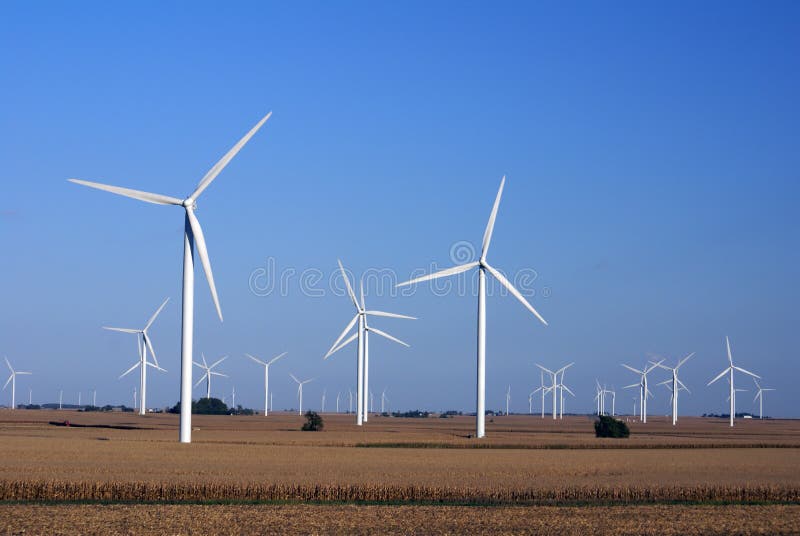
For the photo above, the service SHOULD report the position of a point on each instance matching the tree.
(204, 406)
(610, 427)
(313, 422)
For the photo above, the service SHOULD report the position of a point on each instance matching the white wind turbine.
(193, 235)
(300, 390)
(508, 399)
(613, 399)
(371, 402)
(337, 401)
(544, 389)
(598, 397)
(556, 387)
(760, 397)
(644, 392)
(322, 407)
(144, 344)
(729, 371)
(384, 399)
(676, 385)
(350, 401)
(483, 266)
(563, 388)
(362, 334)
(13, 380)
(266, 365)
(209, 372)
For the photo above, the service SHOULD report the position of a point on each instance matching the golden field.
(421, 465)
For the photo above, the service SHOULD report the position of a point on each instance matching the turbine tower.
(266, 365)
(322, 407)
(143, 344)
(209, 372)
(13, 380)
(676, 385)
(760, 397)
(483, 266)
(384, 399)
(644, 392)
(362, 334)
(192, 236)
(508, 399)
(729, 370)
(300, 390)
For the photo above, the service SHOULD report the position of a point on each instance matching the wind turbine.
(643, 390)
(562, 388)
(508, 399)
(350, 403)
(144, 344)
(600, 398)
(362, 334)
(371, 403)
(209, 372)
(300, 389)
(193, 235)
(613, 399)
(13, 380)
(676, 385)
(543, 389)
(337, 401)
(322, 409)
(266, 365)
(233, 397)
(483, 266)
(760, 397)
(729, 371)
(61, 397)
(384, 399)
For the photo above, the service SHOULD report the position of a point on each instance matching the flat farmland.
(249, 464)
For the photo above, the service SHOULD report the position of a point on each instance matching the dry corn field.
(258, 473)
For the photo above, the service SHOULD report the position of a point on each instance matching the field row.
(144, 492)
(349, 519)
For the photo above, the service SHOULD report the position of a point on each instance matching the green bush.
(610, 427)
(313, 422)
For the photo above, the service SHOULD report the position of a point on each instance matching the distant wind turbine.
(266, 365)
(729, 370)
(209, 372)
(322, 407)
(483, 266)
(300, 390)
(644, 392)
(144, 344)
(676, 385)
(760, 397)
(384, 399)
(508, 399)
(193, 236)
(362, 334)
(13, 380)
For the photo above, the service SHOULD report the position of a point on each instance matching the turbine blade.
(721, 374)
(361, 284)
(387, 336)
(219, 166)
(487, 235)
(632, 369)
(148, 197)
(153, 318)
(547, 370)
(150, 347)
(218, 361)
(123, 330)
(681, 384)
(155, 366)
(218, 374)
(567, 390)
(129, 370)
(728, 345)
(203, 377)
(9, 365)
(200, 242)
(294, 378)
(506, 283)
(25, 373)
(350, 339)
(390, 315)
(631, 386)
(342, 336)
(8, 381)
(747, 372)
(276, 358)
(349, 288)
(757, 395)
(257, 360)
(684, 360)
(442, 273)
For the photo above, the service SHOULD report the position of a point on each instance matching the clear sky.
(652, 154)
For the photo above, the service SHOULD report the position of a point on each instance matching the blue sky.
(652, 160)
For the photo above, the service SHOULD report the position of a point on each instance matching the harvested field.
(396, 466)
(348, 519)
